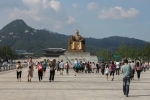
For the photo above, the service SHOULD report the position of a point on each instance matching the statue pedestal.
(80, 56)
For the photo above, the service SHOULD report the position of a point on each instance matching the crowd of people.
(111, 69)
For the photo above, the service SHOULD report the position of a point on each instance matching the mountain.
(19, 36)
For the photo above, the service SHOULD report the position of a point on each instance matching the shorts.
(112, 73)
(106, 74)
(30, 73)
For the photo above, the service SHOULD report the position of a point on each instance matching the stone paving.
(68, 87)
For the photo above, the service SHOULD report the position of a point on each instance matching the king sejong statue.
(76, 43)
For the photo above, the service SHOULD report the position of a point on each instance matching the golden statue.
(76, 43)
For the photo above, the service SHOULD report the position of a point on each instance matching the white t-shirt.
(18, 69)
(93, 65)
(132, 65)
(117, 65)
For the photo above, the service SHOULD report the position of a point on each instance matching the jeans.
(126, 83)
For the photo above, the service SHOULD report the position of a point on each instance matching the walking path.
(68, 87)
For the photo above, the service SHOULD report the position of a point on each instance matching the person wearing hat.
(19, 71)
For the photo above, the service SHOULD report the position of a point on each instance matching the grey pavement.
(69, 87)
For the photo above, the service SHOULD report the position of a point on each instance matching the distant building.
(54, 52)
(20, 52)
(23, 52)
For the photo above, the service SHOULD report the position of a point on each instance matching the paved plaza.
(68, 87)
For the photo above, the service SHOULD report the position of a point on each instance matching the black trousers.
(52, 74)
(19, 74)
(40, 74)
(97, 71)
(102, 70)
(138, 73)
(67, 70)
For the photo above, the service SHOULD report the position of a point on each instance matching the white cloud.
(118, 13)
(75, 5)
(45, 4)
(92, 6)
(71, 20)
(42, 14)
(24, 14)
(55, 5)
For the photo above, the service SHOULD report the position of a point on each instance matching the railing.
(68, 59)
(7, 67)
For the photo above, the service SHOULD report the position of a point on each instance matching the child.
(106, 71)
(19, 71)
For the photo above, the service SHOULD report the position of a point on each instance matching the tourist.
(61, 65)
(52, 65)
(144, 66)
(36, 63)
(138, 70)
(102, 68)
(132, 65)
(92, 67)
(97, 67)
(88, 67)
(30, 69)
(45, 66)
(117, 68)
(40, 68)
(112, 70)
(19, 71)
(85, 67)
(107, 71)
(57, 66)
(126, 70)
(77, 67)
(67, 68)
(82, 66)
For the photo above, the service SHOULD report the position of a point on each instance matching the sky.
(93, 18)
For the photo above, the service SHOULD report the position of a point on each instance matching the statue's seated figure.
(77, 43)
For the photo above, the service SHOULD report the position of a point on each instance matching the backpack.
(67, 65)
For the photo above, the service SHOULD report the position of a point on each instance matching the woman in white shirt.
(107, 71)
(19, 71)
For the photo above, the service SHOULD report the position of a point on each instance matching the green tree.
(105, 55)
(6, 52)
(122, 50)
(146, 52)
